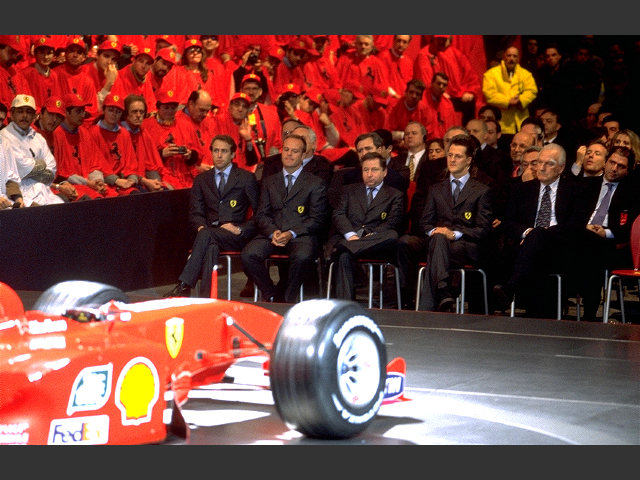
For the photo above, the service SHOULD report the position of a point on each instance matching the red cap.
(144, 48)
(292, 87)
(276, 52)
(54, 105)
(14, 41)
(167, 96)
(43, 41)
(74, 100)
(303, 43)
(251, 77)
(242, 96)
(380, 99)
(441, 36)
(109, 45)
(76, 41)
(114, 100)
(168, 54)
(314, 94)
(192, 42)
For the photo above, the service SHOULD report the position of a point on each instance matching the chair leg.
(419, 286)
(329, 273)
(396, 273)
(621, 299)
(607, 299)
(463, 285)
(370, 285)
(228, 277)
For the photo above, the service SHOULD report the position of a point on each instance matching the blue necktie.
(601, 212)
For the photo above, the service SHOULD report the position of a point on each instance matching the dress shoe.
(180, 290)
(447, 305)
(502, 297)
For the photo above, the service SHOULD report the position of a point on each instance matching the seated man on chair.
(220, 201)
(456, 219)
(292, 213)
(367, 222)
(542, 219)
(604, 242)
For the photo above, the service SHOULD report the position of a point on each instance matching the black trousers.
(208, 244)
(302, 253)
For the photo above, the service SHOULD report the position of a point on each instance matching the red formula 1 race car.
(84, 366)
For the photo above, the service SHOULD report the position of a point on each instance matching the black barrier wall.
(132, 242)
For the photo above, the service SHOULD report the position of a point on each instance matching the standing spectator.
(363, 68)
(511, 88)
(410, 108)
(556, 132)
(72, 73)
(456, 220)
(464, 82)
(367, 222)
(221, 200)
(290, 216)
(441, 114)
(399, 66)
(29, 151)
(264, 121)
(76, 154)
(118, 161)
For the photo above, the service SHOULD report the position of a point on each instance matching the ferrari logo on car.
(173, 334)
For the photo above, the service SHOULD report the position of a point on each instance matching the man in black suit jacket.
(604, 243)
(312, 162)
(456, 220)
(288, 221)
(542, 248)
(364, 229)
(219, 215)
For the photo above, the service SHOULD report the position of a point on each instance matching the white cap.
(22, 100)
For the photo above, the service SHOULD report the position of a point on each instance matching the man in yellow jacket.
(511, 88)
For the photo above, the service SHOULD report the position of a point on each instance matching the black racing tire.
(328, 369)
(57, 299)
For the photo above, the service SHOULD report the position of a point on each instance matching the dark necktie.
(221, 182)
(370, 196)
(289, 182)
(456, 191)
(601, 212)
(544, 213)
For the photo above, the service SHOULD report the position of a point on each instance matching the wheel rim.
(358, 369)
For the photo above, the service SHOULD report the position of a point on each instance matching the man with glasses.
(542, 220)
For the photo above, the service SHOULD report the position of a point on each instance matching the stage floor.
(471, 380)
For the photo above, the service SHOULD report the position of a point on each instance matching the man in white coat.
(28, 149)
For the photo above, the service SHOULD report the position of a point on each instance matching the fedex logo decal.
(79, 431)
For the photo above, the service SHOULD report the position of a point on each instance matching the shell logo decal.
(174, 334)
(137, 391)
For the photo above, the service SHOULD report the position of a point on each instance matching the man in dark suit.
(604, 241)
(542, 219)
(555, 132)
(292, 212)
(456, 219)
(312, 162)
(220, 200)
(365, 143)
(366, 222)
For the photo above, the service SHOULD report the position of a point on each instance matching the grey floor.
(471, 380)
